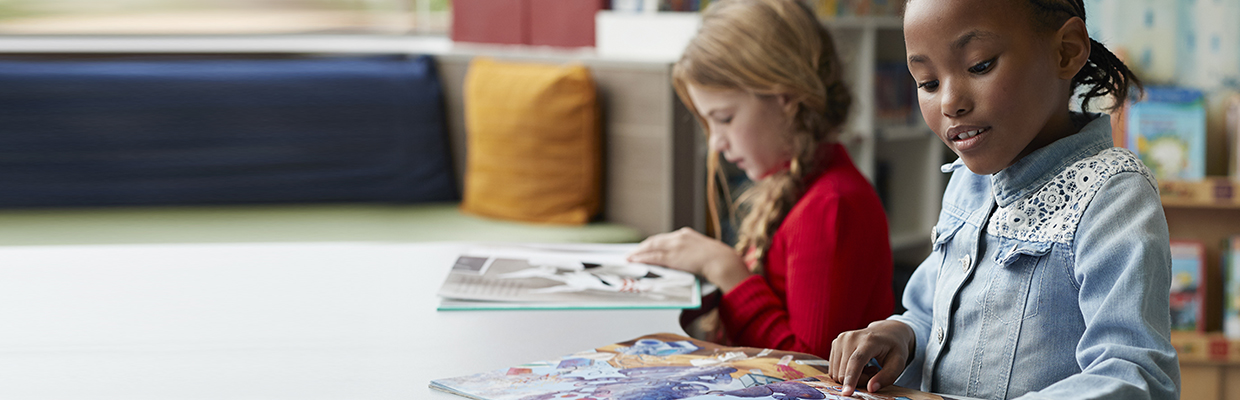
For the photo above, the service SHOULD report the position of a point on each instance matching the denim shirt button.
(938, 334)
(934, 235)
(964, 263)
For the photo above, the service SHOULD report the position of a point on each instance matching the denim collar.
(1026, 176)
(1029, 174)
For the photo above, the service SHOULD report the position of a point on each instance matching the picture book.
(666, 366)
(1187, 285)
(534, 276)
(1167, 130)
(1231, 287)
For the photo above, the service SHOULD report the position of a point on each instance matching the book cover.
(1167, 130)
(665, 366)
(1188, 285)
(1231, 287)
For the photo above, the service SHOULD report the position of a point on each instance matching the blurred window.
(223, 17)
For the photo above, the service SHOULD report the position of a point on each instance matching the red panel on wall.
(492, 21)
(566, 23)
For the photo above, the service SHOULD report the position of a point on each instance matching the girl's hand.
(890, 342)
(692, 252)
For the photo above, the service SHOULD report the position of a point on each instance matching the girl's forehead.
(950, 20)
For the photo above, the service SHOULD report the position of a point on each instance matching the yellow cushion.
(534, 147)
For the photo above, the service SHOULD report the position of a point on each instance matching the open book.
(562, 276)
(666, 366)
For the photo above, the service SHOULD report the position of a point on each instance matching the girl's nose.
(955, 101)
(717, 141)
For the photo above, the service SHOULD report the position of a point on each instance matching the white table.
(269, 321)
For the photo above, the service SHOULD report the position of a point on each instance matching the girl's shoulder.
(840, 182)
(1053, 212)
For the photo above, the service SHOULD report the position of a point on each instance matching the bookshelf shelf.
(905, 132)
(1209, 365)
(1182, 203)
(861, 22)
(1213, 193)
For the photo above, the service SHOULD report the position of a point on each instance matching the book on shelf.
(1233, 134)
(1188, 289)
(562, 276)
(1231, 287)
(1167, 130)
(895, 96)
(666, 366)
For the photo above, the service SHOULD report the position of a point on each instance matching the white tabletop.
(269, 321)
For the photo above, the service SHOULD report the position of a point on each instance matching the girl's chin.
(981, 167)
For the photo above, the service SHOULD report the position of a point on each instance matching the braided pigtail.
(1105, 75)
(768, 202)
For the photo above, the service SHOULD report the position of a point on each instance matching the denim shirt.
(1049, 279)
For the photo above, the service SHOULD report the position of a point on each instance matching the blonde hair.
(768, 47)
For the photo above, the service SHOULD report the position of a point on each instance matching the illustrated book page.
(666, 366)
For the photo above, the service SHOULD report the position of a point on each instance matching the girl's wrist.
(728, 273)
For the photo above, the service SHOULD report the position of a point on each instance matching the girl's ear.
(1072, 48)
(787, 103)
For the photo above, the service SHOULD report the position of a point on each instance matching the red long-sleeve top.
(828, 269)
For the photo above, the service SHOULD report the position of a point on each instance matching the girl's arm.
(838, 269)
(1123, 269)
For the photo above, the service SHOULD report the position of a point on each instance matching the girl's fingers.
(834, 359)
(649, 256)
(652, 244)
(854, 367)
(892, 366)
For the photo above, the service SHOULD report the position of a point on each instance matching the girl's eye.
(928, 86)
(725, 121)
(982, 67)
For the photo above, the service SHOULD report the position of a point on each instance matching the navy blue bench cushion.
(186, 130)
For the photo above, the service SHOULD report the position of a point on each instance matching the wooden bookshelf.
(1213, 193)
(1209, 365)
(1208, 211)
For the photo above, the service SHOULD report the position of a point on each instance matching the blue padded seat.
(162, 130)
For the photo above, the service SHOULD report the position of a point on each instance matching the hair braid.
(772, 198)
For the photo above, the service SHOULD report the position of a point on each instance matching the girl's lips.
(966, 137)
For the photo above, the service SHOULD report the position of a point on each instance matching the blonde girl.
(1050, 269)
(813, 258)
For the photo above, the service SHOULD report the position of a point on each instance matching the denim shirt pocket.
(943, 233)
(1013, 291)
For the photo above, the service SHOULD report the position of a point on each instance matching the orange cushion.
(534, 147)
